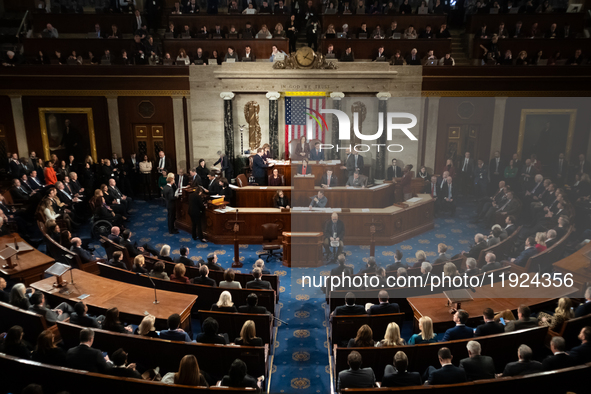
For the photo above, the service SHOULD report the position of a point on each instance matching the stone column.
(431, 132)
(178, 116)
(497, 126)
(229, 126)
(380, 170)
(19, 127)
(114, 125)
(274, 122)
(336, 104)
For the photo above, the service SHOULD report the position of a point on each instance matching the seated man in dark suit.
(460, 331)
(334, 230)
(86, 358)
(257, 283)
(117, 260)
(329, 180)
(121, 368)
(251, 305)
(479, 245)
(81, 318)
(18, 193)
(174, 332)
(341, 268)
(551, 238)
(210, 334)
(528, 252)
(202, 279)
(490, 326)
(61, 312)
(317, 153)
(212, 264)
(356, 377)
(447, 374)
(349, 308)
(384, 307)
(524, 320)
(114, 236)
(524, 366)
(559, 359)
(584, 308)
(397, 262)
(472, 268)
(491, 263)
(398, 376)
(85, 256)
(370, 267)
(582, 353)
(133, 250)
(183, 259)
(477, 366)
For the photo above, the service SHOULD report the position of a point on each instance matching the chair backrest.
(107, 246)
(542, 262)
(571, 329)
(32, 323)
(241, 180)
(270, 232)
(500, 249)
(345, 327)
(231, 323)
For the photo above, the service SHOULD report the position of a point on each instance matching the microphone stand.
(71, 269)
(155, 296)
(279, 320)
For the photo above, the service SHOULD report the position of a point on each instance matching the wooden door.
(149, 140)
(462, 139)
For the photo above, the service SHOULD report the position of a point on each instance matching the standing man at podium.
(334, 230)
(259, 166)
(354, 162)
(168, 192)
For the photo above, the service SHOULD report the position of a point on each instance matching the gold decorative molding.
(306, 94)
(502, 93)
(571, 126)
(43, 124)
(106, 93)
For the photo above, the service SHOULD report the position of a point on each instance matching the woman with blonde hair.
(228, 282)
(147, 328)
(450, 269)
(165, 253)
(46, 209)
(264, 32)
(364, 338)
(541, 242)
(562, 313)
(392, 337)
(139, 263)
(279, 32)
(426, 335)
(225, 303)
(248, 335)
(188, 374)
(179, 274)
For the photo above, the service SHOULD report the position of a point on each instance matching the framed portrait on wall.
(68, 131)
(546, 133)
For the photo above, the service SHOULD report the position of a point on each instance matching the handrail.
(18, 32)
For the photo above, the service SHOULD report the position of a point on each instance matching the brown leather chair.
(280, 177)
(241, 180)
(271, 244)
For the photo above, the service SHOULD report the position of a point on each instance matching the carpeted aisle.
(300, 358)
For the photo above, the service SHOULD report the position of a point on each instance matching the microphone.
(155, 296)
(279, 320)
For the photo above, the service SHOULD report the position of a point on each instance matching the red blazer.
(50, 177)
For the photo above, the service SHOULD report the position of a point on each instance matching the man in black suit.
(523, 320)
(582, 353)
(560, 170)
(524, 366)
(528, 252)
(225, 165)
(384, 307)
(85, 256)
(196, 210)
(4, 295)
(479, 245)
(446, 201)
(510, 207)
(341, 269)
(317, 153)
(509, 225)
(163, 163)
(527, 175)
(257, 283)
(356, 377)
(585, 308)
(168, 192)
(213, 187)
(81, 318)
(551, 238)
(183, 258)
(466, 173)
(59, 313)
(133, 250)
(447, 374)
(203, 278)
(18, 193)
(259, 168)
(34, 182)
(121, 368)
(490, 326)
(477, 366)
(194, 178)
(251, 306)
(496, 169)
(86, 358)
(370, 268)
(397, 262)
(16, 167)
(117, 195)
(398, 376)
(329, 180)
(354, 163)
(559, 359)
(394, 171)
(114, 236)
(334, 230)
(212, 264)
(582, 166)
(349, 308)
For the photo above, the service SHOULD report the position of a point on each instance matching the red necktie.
(304, 170)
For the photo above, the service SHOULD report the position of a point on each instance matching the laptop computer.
(380, 59)
(246, 59)
(330, 11)
(247, 35)
(231, 60)
(72, 62)
(250, 11)
(105, 62)
(494, 11)
(423, 10)
(167, 62)
(341, 35)
(261, 36)
(212, 62)
(330, 35)
(217, 36)
(396, 36)
(186, 36)
(362, 36)
(330, 56)
(431, 62)
(202, 36)
(514, 10)
(233, 36)
(169, 36)
(198, 62)
(91, 34)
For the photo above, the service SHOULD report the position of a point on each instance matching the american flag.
(298, 122)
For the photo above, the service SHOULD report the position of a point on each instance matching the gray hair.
(402, 271)
(426, 266)
(588, 293)
(474, 348)
(471, 262)
(479, 237)
(525, 353)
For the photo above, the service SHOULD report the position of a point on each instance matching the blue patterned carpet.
(300, 360)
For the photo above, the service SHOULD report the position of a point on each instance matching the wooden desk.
(398, 224)
(578, 265)
(318, 169)
(30, 266)
(132, 301)
(302, 249)
(496, 297)
(260, 48)
(367, 49)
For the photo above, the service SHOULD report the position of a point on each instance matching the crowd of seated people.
(391, 32)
